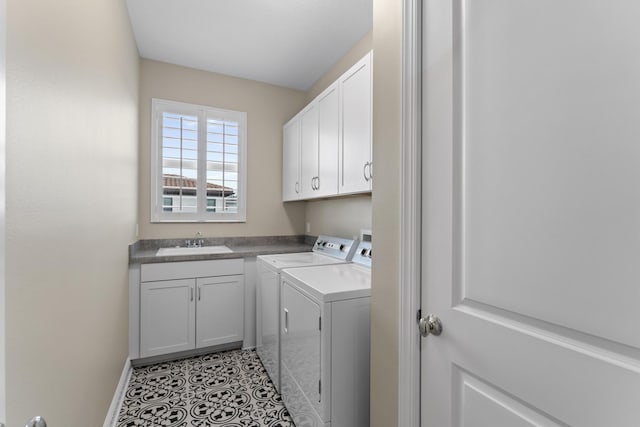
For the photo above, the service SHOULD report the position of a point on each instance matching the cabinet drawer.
(191, 269)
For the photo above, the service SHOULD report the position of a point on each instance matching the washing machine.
(325, 338)
(326, 250)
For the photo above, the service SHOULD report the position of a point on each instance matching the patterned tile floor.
(229, 389)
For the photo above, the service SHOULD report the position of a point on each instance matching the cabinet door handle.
(286, 321)
(297, 187)
(364, 171)
(317, 183)
(370, 170)
(313, 183)
(199, 292)
(191, 292)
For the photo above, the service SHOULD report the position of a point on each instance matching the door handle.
(370, 170)
(35, 422)
(315, 183)
(297, 187)
(430, 325)
(364, 171)
(199, 292)
(286, 321)
(191, 292)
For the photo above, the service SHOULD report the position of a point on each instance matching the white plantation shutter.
(199, 161)
(179, 162)
(222, 160)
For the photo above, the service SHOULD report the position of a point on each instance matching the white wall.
(71, 180)
(357, 51)
(343, 217)
(387, 133)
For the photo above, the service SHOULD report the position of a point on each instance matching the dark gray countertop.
(144, 251)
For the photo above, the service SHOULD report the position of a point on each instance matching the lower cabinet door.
(167, 317)
(220, 310)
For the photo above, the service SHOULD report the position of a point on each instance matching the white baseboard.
(111, 419)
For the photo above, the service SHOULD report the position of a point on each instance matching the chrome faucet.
(195, 243)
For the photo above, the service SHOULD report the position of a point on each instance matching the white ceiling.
(288, 43)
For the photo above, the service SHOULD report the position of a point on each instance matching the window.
(198, 163)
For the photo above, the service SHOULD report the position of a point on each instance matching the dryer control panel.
(363, 254)
(335, 246)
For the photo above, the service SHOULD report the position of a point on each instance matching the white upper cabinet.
(356, 169)
(328, 141)
(327, 146)
(308, 151)
(291, 160)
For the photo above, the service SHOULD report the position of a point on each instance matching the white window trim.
(157, 214)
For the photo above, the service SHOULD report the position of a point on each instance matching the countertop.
(144, 251)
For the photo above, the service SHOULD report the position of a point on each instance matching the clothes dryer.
(326, 250)
(325, 337)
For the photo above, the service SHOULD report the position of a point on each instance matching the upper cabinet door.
(328, 141)
(356, 170)
(309, 151)
(291, 160)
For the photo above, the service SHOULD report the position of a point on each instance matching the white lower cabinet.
(184, 313)
(167, 322)
(219, 310)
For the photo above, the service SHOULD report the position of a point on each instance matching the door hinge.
(320, 323)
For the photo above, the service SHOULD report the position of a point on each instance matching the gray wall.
(344, 216)
(268, 107)
(72, 132)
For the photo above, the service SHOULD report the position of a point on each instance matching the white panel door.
(328, 141)
(355, 153)
(291, 160)
(308, 151)
(167, 317)
(531, 224)
(220, 310)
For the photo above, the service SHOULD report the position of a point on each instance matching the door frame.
(3, 139)
(409, 338)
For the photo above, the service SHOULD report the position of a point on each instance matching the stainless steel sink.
(222, 249)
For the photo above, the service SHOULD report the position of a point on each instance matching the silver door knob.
(430, 325)
(36, 422)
